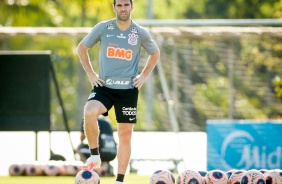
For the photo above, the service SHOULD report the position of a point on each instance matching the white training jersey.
(119, 51)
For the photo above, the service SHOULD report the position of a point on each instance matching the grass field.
(132, 178)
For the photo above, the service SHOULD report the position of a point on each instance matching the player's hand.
(96, 81)
(138, 81)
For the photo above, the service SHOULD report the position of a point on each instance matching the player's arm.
(140, 79)
(82, 51)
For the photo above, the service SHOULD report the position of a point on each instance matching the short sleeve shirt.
(119, 53)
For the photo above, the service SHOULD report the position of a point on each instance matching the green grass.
(129, 179)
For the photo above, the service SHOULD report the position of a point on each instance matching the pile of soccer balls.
(57, 168)
(218, 177)
(51, 168)
(89, 176)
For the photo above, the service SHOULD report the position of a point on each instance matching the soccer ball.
(216, 177)
(230, 172)
(189, 177)
(162, 177)
(203, 174)
(253, 177)
(235, 178)
(52, 169)
(16, 170)
(87, 176)
(274, 176)
(33, 169)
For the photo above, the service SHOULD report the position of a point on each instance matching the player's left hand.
(138, 81)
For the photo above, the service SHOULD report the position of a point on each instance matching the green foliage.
(54, 12)
(239, 9)
(27, 13)
(167, 9)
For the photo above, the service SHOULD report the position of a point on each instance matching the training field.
(131, 178)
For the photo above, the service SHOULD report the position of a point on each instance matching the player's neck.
(123, 25)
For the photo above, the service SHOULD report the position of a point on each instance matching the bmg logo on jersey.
(129, 111)
(119, 53)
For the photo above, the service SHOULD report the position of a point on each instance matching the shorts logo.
(131, 119)
(91, 95)
(129, 111)
(132, 40)
(119, 53)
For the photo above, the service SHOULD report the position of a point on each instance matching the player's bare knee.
(90, 114)
(125, 136)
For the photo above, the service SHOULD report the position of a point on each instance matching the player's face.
(123, 9)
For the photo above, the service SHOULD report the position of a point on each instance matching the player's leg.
(93, 109)
(98, 103)
(125, 109)
(124, 147)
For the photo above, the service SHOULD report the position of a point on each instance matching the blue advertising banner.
(244, 144)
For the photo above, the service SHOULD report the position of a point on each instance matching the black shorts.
(123, 100)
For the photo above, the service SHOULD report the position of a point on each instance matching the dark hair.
(129, 0)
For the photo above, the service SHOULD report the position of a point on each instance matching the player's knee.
(125, 136)
(91, 114)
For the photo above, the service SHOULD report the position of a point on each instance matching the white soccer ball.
(162, 177)
(16, 170)
(87, 176)
(33, 169)
(189, 177)
(52, 169)
(235, 178)
(216, 177)
(253, 177)
(274, 176)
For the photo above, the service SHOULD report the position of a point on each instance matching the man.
(118, 81)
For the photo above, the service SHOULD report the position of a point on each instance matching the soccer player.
(118, 81)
